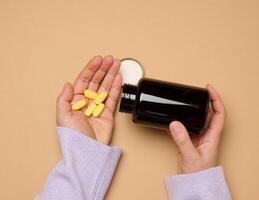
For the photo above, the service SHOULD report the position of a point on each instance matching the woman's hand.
(100, 74)
(200, 152)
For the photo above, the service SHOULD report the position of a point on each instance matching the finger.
(86, 74)
(99, 75)
(64, 99)
(217, 120)
(209, 116)
(182, 140)
(114, 93)
(109, 77)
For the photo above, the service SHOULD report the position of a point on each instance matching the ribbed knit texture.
(87, 166)
(205, 185)
(84, 172)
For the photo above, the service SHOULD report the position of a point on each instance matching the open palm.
(100, 74)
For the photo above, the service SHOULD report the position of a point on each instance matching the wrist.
(192, 167)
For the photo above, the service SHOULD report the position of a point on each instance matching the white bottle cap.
(131, 71)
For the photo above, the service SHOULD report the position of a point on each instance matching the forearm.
(85, 170)
(208, 184)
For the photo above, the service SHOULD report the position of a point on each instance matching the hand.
(199, 153)
(100, 74)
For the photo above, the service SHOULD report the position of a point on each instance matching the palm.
(203, 141)
(99, 128)
(99, 75)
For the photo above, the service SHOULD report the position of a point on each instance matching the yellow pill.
(90, 94)
(98, 110)
(90, 109)
(79, 104)
(101, 97)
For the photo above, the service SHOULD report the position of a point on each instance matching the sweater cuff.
(207, 184)
(93, 162)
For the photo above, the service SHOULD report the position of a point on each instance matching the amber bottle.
(156, 103)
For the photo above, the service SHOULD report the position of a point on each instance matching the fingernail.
(176, 127)
(65, 85)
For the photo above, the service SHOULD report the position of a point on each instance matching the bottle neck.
(128, 98)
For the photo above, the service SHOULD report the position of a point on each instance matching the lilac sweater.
(87, 167)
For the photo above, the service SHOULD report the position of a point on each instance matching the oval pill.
(90, 109)
(90, 94)
(79, 104)
(101, 97)
(98, 110)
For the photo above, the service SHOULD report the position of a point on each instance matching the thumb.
(64, 99)
(182, 140)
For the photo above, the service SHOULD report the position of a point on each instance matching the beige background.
(45, 43)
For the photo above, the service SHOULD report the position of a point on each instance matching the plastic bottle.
(156, 103)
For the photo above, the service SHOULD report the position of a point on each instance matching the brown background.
(45, 43)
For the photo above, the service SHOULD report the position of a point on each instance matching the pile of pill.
(96, 108)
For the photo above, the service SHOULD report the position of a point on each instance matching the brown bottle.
(157, 103)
